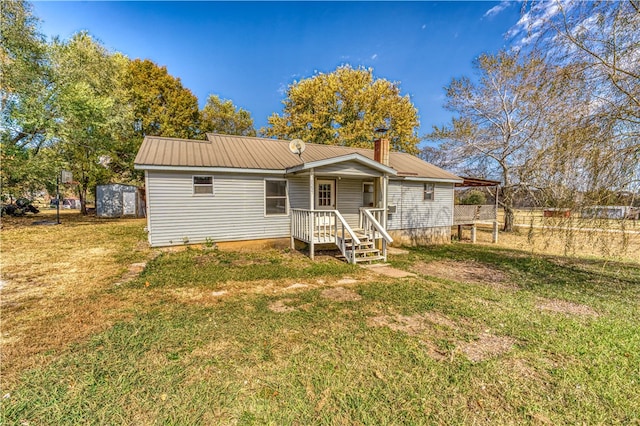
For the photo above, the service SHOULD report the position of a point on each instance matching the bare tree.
(500, 118)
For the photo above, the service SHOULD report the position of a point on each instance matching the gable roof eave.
(205, 169)
(341, 159)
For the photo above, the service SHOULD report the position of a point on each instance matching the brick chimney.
(381, 151)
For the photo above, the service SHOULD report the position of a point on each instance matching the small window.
(275, 197)
(203, 185)
(429, 191)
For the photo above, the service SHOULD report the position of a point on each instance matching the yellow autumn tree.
(344, 107)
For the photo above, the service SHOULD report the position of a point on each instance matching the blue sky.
(250, 52)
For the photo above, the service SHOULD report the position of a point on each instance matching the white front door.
(325, 194)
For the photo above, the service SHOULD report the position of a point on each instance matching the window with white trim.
(429, 191)
(367, 194)
(203, 185)
(275, 197)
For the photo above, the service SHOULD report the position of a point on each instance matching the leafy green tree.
(161, 105)
(88, 110)
(344, 107)
(221, 116)
(156, 105)
(25, 76)
(26, 107)
(473, 197)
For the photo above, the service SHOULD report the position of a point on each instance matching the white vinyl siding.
(299, 192)
(413, 211)
(349, 200)
(347, 168)
(236, 212)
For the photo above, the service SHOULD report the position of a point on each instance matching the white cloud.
(533, 20)
(497, 9)
(374, 56)
(424, 26)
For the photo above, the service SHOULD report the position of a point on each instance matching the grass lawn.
(480, 334)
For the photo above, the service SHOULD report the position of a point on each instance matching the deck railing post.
(292, 229)
(495, 231)
(312, 236)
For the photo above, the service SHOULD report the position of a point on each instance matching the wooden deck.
(471, 216)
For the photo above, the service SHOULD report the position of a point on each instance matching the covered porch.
(341, 201)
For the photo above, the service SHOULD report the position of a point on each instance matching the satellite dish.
(297, 146)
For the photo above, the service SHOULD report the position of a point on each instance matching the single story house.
(236, 188)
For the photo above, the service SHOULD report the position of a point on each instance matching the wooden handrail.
(346, 226)
(376, 225)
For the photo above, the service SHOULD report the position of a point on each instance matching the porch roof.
(260, 155)
(359, 158)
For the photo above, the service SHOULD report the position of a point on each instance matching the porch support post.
(312, 220)
(459, 232)
(311, 188)
(385, 186)
(495, 231)
(473, 233)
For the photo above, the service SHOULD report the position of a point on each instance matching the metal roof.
(241, 152)
(474, 182)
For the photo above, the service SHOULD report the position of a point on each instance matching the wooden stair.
(365, 252)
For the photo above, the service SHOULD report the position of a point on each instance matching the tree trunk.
(507, 204)
(508, 219)
(82, 194)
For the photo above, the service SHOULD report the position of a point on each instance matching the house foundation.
(421, 236)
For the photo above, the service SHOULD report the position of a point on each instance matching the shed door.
(128, 203)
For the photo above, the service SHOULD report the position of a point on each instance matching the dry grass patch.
(486, 346)
(465, 271)
(433, 328)
(565, 307)
(281, 306)
(340, 294)
(618, 246)
(55, 278)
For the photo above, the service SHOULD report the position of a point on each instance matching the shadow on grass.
(550, 274)
(209, 268)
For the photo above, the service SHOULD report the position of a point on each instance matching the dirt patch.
(423, 326)
(434, 327)
(132, 273)
(469, 272)
(340, 294)
(486, 346)
(564, 307)
(389, 271)
(412, 324)
(415, 324)
(296, 286)
(280, 306)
